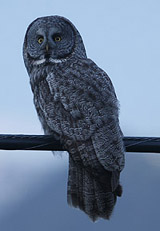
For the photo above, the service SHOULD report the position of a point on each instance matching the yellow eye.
(40, 40)
(57, 38)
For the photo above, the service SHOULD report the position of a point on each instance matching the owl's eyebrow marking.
(39, 31)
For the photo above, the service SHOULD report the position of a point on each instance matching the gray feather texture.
(76, 101)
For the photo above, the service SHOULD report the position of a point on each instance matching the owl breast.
(75, 98)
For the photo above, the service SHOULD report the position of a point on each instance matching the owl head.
(51, 39)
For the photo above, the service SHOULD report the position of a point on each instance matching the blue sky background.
(123, 38)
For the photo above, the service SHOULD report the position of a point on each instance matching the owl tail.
(88, 194)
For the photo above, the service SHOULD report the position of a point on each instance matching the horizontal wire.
(49, 143)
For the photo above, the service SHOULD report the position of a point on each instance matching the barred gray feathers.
(75, 100)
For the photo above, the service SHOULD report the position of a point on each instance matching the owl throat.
(48, 60)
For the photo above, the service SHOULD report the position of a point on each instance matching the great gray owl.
(76, 102)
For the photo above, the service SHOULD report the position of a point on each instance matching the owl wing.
(83, 106)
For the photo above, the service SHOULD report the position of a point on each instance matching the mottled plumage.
(75, 101)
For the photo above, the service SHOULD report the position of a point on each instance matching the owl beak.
(47, 47)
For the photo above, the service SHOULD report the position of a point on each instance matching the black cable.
(47, 142)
